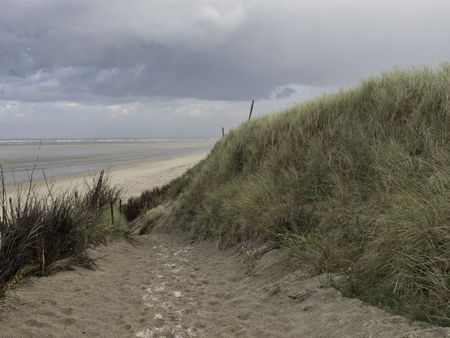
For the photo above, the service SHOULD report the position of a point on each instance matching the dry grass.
(38, 230)
(356, 182)
(151, 198)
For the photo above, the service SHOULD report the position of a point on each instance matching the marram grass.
(356, 182)
(42, 231)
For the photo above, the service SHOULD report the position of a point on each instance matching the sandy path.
(168, 287)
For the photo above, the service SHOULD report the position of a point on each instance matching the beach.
(134, 165)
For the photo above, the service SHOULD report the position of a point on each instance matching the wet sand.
(132, 179)
(134, 166)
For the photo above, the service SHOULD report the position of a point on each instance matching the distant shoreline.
(131, 164)
(94, 140)
(133, 179)
(85, 157)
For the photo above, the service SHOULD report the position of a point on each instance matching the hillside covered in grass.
(356, 182)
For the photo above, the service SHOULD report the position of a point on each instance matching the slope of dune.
(356, 182)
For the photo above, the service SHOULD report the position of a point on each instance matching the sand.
(148, 174)
(58, 159)
(133, 178)
(166, 286)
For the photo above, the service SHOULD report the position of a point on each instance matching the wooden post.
(4, 214)
(223, 132)
(11, 207)
(251, 110)
(112, 212)
(120, 206)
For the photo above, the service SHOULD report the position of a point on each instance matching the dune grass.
(146, 200)
(356, 182)
(39, 229)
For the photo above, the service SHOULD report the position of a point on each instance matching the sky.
(187, 68)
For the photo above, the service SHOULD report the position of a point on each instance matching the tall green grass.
(38, 229)
(356, 182)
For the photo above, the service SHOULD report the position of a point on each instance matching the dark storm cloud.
(225, 49)
(187, 68)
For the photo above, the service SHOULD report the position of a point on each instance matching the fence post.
(112, 211)
(120, 206)
(11, 207)
(223, 132)
(251, 110)
(4, 214)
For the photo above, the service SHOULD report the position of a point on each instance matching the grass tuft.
(39, 230)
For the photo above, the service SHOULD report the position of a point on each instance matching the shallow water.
(70, 157)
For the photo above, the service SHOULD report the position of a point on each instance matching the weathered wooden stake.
(251, 110)
(11, 207)
(120, 206)
(4, 214)
(223, 132)
(112, 212)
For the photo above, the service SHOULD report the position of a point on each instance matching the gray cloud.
(210, 49)
(104, 52)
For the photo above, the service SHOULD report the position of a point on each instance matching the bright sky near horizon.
(166, 68)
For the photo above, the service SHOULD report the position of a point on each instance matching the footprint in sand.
(202, 301)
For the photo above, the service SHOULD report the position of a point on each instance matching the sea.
(23, 159)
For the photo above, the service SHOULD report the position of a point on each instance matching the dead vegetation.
(43, 233)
